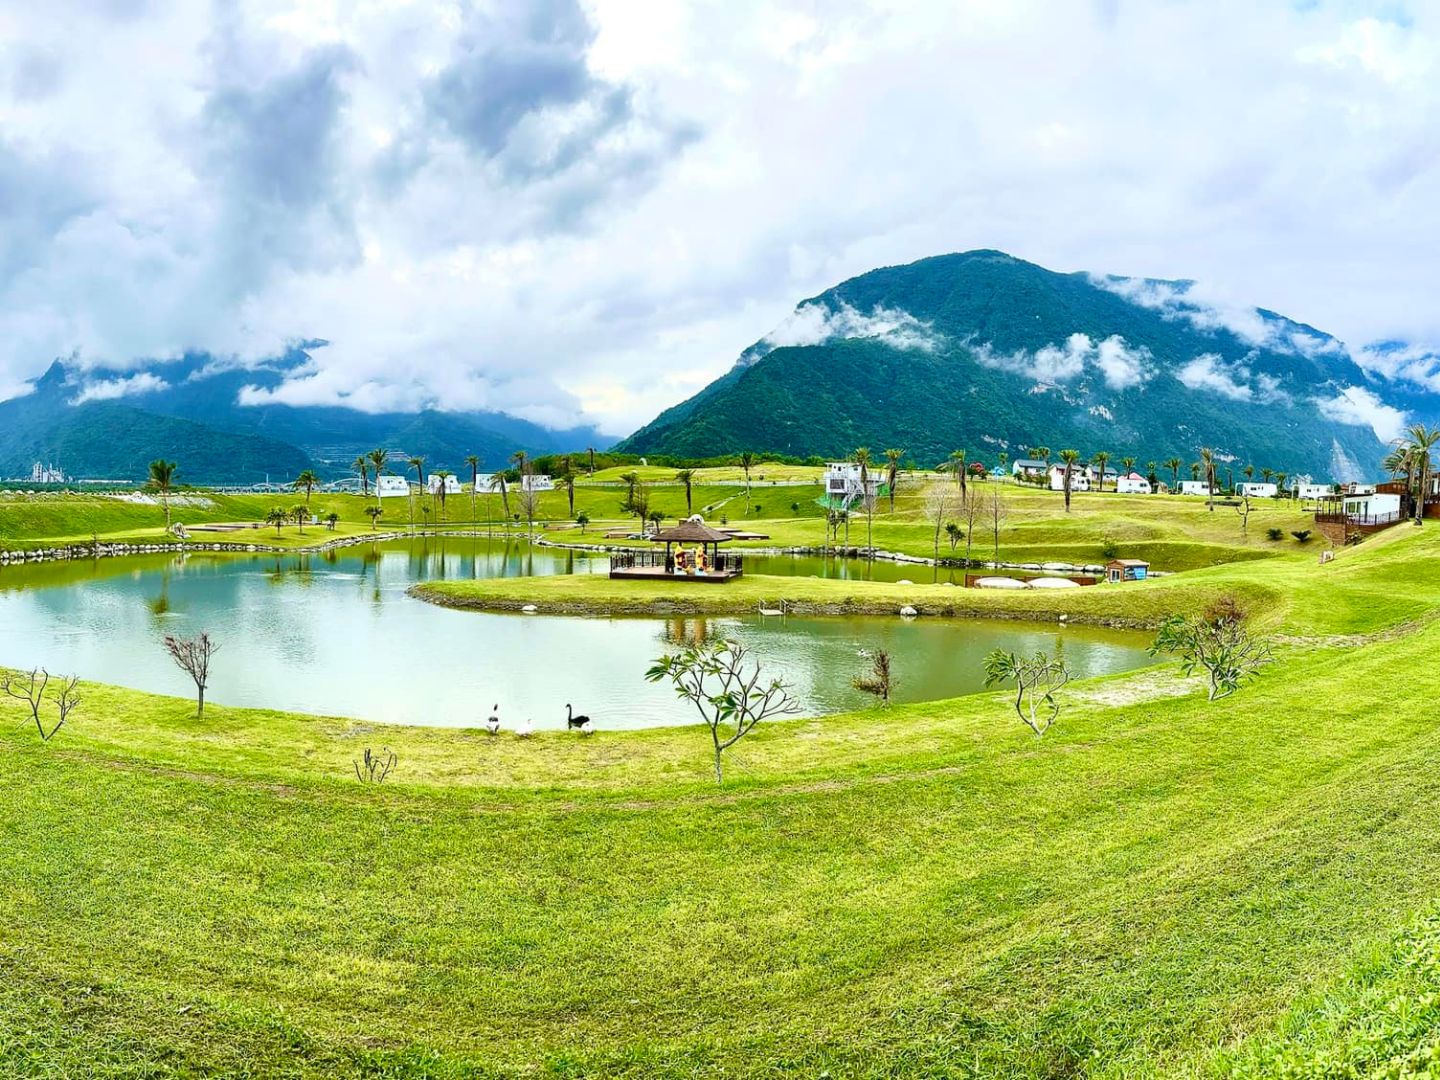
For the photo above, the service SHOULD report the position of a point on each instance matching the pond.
(337, 634)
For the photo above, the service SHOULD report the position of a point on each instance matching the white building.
(1134, 484)
(538, 482)
(1257, 490)
(1194, 487)
(388, 487)
(1092, 473)
(1371, 507)
(1314, 491)
(842, 481)
(1079, 479)
(1359, 489)
(452, 484)
(46, 474)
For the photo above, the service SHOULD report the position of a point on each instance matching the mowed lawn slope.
(1159, 886)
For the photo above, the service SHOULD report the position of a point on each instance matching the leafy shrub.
(1274, 533)
(1109, 548)
(1302, 535)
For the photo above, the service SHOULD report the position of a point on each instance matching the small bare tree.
(997, 510)
(31, 689)
(373, 768)
(730, 699)
(1037, 680)
(192, 656)
(939, 502)
(1243, 509)
(970, 508)
(879, 680)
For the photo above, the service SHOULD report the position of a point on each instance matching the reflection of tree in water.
(687, 631)
(161, 604)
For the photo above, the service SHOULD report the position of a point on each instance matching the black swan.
(573, 721)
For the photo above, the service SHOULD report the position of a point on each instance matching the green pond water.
(337, 634)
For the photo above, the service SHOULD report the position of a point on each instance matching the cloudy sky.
(583, 210)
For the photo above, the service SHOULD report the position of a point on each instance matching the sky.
(582, 211)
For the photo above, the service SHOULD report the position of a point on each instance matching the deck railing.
(1335, 517)
(647, 558)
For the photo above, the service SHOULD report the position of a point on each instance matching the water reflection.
(338, 634)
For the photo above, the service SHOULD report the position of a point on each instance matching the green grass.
(1160, 886)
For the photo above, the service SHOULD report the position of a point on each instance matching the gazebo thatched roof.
(691, 532)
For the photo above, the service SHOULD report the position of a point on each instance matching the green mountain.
(984, 352)
(194, 411)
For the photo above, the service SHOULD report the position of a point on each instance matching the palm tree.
(892, 473)
(1043, 453)
(686, 477)
(1249, 472)
(277, 516)
(747, 462)
(374, 513)
(1129, 464)
(862, 458)
(1102, 459)
(1070, 458)
(443, 475)
(582, 519)
(1395, 461)
(591, 451)
(1173, 464)
(1422, 441)
(497, 483)
(162, 476)
(1195, 470)
(1207, 462)
(631, 480)
(378, 458)
(362, 466)
(1267, 475)
(473, 461)
(1280, 479)
(300, 513)
(307, 480)
(418, 464)
(957, 464)
(567, 481)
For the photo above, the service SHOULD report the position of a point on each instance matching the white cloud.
(816, 323)
(587, 210)
(1208, 372)
(1414, 364)
(1120, 365)
(143, 382)
(1358, 405)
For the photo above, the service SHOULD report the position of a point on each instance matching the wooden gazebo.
(653, 564)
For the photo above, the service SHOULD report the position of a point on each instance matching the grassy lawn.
(1160, 886)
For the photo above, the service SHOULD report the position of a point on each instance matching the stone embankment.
(100, 549)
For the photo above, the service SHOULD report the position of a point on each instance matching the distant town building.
(1134, 484)
(1314, 491)
(387, 487)
(452, 484)
(537, 482)
(1256, 490)
(47, 474)
(1194, 487)
(842, 483)
(1079, 479)
(1030, 468)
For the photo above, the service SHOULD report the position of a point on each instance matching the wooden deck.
(659, 573)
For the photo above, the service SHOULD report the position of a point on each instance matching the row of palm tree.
(1411, 455)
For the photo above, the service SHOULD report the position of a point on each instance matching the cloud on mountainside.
(1357, 405)
(142, 382)
(817, 323)
(1120, 365)
(582, 211)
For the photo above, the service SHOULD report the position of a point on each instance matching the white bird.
(524, 728)
(587, 727)
(492, 724)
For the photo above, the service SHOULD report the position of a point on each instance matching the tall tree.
(892, 473)
(591, 451)
(747, 462)
(1102, 459)
(957, 465)
(862, 458)
(1068, 458)
(687, 477)
(1173, 464)
(418, 464)
(1422, 441)
(379, 458)
(567, 481)
(473, 461)
(443, 475)
(306, 482)
(1207, 463)
(162, 478)
(361, 465)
